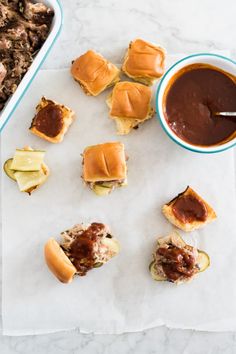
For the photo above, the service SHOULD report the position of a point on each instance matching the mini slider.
(94, 73)
(130, 105)
(104, 167)
(144, 62)
(82, 249)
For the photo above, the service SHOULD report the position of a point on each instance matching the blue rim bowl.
(217, 60)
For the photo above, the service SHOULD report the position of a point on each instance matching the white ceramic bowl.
(15, 99)
(206, 58)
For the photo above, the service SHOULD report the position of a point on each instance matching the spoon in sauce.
(225, 114)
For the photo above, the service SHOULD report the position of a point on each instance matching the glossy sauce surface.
(82, 248)
(192, 97)
(49, 120)
(177, 262)
(188, 208)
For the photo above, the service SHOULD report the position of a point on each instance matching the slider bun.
(94, 73)
(58, 262)
(144, 62)
(131, 100)
(193, 225)
(130, 105)
(104, 162)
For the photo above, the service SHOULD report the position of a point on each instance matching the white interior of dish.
(222, 63)
(39, 58)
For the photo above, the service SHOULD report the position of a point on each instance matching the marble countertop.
(181, 26)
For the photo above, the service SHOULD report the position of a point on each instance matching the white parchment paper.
(121, 296)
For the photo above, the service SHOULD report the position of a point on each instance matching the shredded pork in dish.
(24, 27)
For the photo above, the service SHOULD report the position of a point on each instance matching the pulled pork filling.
(107, 184)
(85, 246)
(176, 263)
(24, 27)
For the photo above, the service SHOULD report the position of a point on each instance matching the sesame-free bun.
(58, 262)
(94, 73)
(130, 105)
(144, 62)
(104, 162)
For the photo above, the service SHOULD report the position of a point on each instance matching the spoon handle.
(226, 114)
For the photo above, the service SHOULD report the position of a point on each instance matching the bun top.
(93, 71)
(144, 59)
(130, 100)
(58, 262)
(104, 162)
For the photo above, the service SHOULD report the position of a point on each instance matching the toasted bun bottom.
(189, 226)
(68, 118)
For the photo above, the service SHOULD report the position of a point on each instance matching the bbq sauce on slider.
(82, 248)
(49, 120)
(188, 208)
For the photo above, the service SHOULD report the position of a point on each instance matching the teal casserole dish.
(38, 60)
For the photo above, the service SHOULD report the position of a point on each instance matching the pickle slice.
(101, 190)
(106, 184)
(154, 273)
(7, 169)
(27, 160)
(27, 181)
(203, 261)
